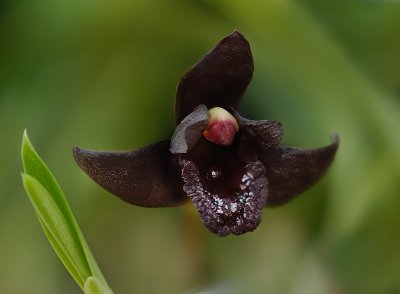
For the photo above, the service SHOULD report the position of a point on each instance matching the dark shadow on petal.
(190, 130)
(144, 177)
(265, 134)
(219, 79)
(291, 170)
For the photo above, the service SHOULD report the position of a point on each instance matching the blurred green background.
(102, 75)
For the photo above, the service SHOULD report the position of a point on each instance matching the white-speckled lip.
(237, 214)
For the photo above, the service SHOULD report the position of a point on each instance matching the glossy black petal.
(291, 170)
(189, 131)
(265, 134)
(144, 177)
(219, 79)
(228, 192)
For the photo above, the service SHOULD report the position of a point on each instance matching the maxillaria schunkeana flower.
(230, 167)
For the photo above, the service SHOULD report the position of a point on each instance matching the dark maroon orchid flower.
(230, 167)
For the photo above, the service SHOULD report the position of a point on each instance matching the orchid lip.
(222, 209)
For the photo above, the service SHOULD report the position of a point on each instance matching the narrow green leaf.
(61, 253)
(57, 229)
(91, 260)
(56, 217)
(34, 166)
(95, 286)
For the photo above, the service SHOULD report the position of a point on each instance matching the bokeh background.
(102, 75)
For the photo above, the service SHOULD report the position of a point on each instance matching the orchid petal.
(189, 131)
(218, 79)
(291, 170)
(144, 177)
(265, 134)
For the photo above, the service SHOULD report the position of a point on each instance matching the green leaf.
(57, 219)
(95, 286)
(57, 229)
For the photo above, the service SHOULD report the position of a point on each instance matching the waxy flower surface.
(228, 166)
